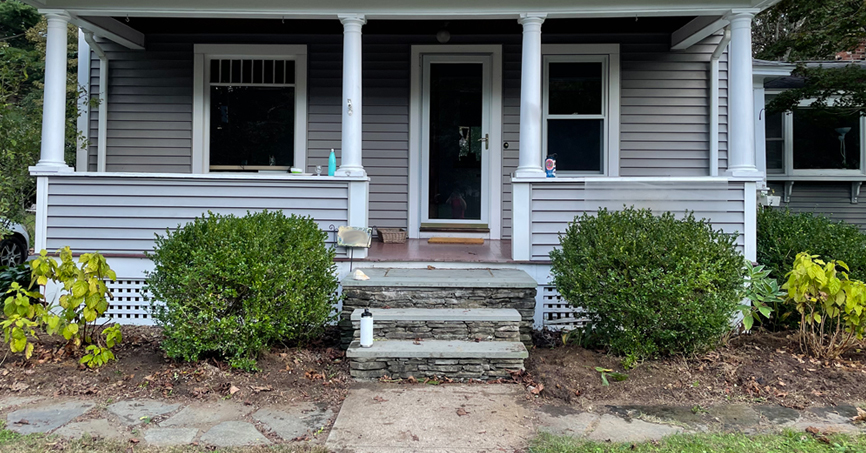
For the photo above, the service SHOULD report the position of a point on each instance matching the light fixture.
(443, 36)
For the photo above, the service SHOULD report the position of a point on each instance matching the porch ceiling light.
(443, 36)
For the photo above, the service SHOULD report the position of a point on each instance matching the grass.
(11, 442)
(786, 442)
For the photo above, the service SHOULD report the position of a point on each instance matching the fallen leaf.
(411, 380)
(258, 389)
(860, 417)
(430, 267)
(134, 441)
(813, 430)
(379, 399)
(536, 390)
(461, 412)
(233, 390)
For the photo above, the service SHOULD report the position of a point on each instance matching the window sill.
(827, 177)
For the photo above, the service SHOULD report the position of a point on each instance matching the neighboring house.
(815, 164)
(441, 115)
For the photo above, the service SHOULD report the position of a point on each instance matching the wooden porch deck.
(419, 250)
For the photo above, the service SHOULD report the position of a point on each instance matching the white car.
(15, 246)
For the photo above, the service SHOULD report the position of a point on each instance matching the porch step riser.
(520, 299)
(457, 369)
(442, 330)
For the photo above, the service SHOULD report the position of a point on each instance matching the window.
(577, 111)
(252, 114)
(812, 142)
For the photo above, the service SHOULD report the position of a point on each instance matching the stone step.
(453, 359)
(441, 289)
(487, 324)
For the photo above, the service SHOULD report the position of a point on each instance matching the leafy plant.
(650, 285)
(229, 286)
(762, 292)
(831, 305)
(18, 274)
(74, 314)
(605, 372)
(782, 234)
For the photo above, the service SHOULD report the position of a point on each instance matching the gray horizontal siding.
(827, 198)
(123, 215)
(555, 205)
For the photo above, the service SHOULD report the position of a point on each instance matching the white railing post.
(529, 152)
(350, 161)
(741, 109)
(54, 101)
(521, 220)
(359, 204)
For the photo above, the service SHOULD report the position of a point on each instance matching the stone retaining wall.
(443, 330)
(457, 369)
(520, 299)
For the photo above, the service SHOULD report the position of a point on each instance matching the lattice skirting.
(556, 313)
(129, 305)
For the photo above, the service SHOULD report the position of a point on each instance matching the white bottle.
(366, 329)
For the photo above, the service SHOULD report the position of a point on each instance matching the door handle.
(486, 141)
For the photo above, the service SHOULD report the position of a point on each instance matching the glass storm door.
(455, 139)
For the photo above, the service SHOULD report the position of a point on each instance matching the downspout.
(102, 122)
(83, 123)
(714, 101)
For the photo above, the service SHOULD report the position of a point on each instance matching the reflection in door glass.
(455, 149)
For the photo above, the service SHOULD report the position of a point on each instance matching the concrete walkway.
(390, 417)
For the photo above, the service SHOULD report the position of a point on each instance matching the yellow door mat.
(444, 240)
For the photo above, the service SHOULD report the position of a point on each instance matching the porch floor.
(420, 250)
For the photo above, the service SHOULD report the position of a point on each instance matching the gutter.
(714, 101)
(102, 121)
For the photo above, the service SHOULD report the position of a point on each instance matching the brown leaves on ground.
(379, 399)
(461, 412)
(860, 417)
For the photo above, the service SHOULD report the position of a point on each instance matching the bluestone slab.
(443, 278)
(234, 434)
(44, 419)
(293, 422)
(93, 428)
(166, 437)
(134, 412)
(443, 349)
(440, 314)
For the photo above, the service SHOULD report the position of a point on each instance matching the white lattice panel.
(556, 312)
(129, 305)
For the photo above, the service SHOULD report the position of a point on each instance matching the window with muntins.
(576, 112)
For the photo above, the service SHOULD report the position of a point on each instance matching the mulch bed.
(755, 368)
(317, 372)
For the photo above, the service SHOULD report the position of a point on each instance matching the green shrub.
(650, 285)
(782, 234)
(19, 274)
(229, 286)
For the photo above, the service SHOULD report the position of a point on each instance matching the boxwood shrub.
(650, 285)
(229, 287)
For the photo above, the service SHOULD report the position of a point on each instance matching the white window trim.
(788, 141)
(201, 95)
(609, 56)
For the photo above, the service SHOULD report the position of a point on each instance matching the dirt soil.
(317, 373)
(757, 368)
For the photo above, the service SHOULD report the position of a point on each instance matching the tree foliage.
(22, 67)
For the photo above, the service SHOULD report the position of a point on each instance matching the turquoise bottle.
(332, 163)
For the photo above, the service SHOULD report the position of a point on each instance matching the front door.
(455, 141)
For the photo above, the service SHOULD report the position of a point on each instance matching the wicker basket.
(392, 235)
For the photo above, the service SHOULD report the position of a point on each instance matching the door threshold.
(455, 228)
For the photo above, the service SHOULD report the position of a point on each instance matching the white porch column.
(529, 158)
(741, 103)
(54, 100)
(350, 161)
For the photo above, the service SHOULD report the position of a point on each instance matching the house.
(440, 114)
(815, 164)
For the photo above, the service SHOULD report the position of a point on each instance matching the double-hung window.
(580, 111)
(250, 109)
(809, 142)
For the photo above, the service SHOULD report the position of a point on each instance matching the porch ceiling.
(400, 8)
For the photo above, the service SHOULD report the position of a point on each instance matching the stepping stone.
(206, 415)
(614, 429)
(132, 412)
(564, 421)
(779, 415)
(738, 417)
(167, 437)
(46, 418)
(294, 421)
(234, 434)
(12, 401)
(93, 428)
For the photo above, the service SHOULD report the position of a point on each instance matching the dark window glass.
(575, 88)
(225, 71)
(826, 140)
(269, 71)
(252, 125)
(577, 143)
(775, 143)
(246, 71)
(236, 71)
(290, 71)
(214, 71)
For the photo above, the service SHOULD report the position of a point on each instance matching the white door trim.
(494, 154)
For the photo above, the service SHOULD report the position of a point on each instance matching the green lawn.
(788, 442)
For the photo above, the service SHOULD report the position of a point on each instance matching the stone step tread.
(440, 314)
(443, 278)
(445, 349)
